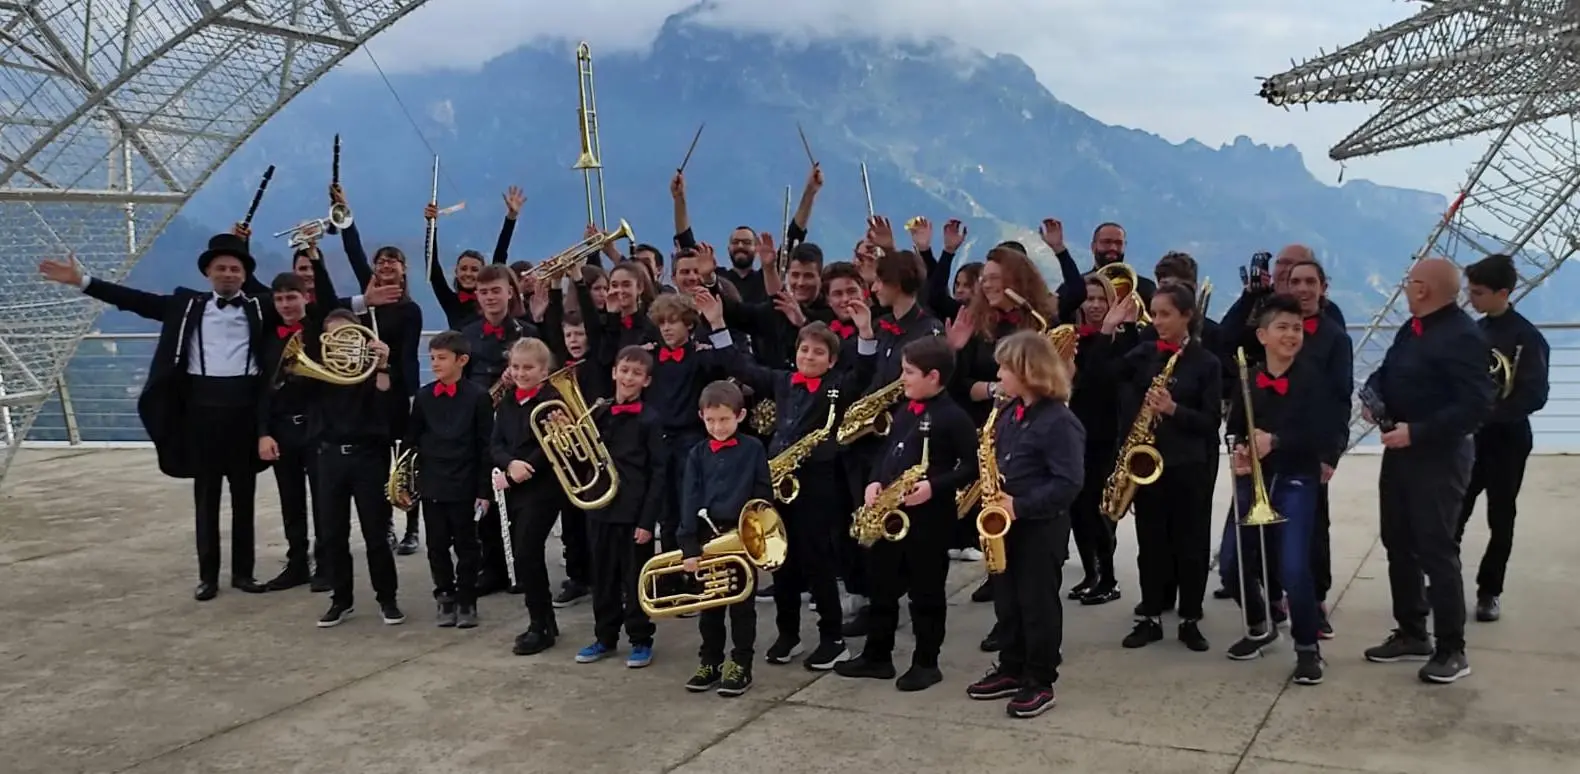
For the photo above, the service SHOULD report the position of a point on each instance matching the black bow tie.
(221, 303)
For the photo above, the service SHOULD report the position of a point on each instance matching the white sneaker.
(970, 554)
(954, 553)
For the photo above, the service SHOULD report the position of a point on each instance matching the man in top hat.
(198, 404)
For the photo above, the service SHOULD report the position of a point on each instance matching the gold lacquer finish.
(1261, 513)
(589, 160)
(569, 437)
(870, 415)
(782, 468)
(1123, 277)
(764, 416)
(1503, 369)
(1139, 464)
(401, 486)
(1064, 337)
(727, 569)
(569, 261)
(993, 519)
(883, 518)
(347, 353)
(1204, 298)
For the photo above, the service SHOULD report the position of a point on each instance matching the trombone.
(565, 429)
(1123, 277)
(590, 161)
(1259, 514)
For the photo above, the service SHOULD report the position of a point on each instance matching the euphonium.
(992, 520)
(1261, 513)
(401, 486)
(348, 358)
(1503, 369)
(727, 569)
(1123, 278)
(565, 429)
(1064, 337)
(870, 414)
(883, 518)
(1139, 462)
(782, 468)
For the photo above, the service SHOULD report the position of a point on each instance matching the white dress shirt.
(222, 343)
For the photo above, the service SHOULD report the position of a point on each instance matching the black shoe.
(1488, 609)
(1222, 592)
(1324, 626)
(1445, 667)
(448, 614)
(858, 624)
(1308, 667)
(391, 613)
(984, 592)
(1146, 632)
(1081, 589)
(488, 583)
(536, 639)
(827, 656)
(783, 651)
(466, 617)
(289, 578)
(408, 545)
(1400, 647)
(994, 685)
(1030, 701)
(861, 666)
(393, 541)
(321, 584)
(337, 615)
(570, 593)
(1190, 634)
(990, 643)
(1251, 647)
(919, 678)
(248, 585)
(516, 589)
(1101, 595)
(765, 593)
(706, 678)
(734, 679)
(205, 591)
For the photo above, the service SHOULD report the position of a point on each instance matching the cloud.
(1184, 70)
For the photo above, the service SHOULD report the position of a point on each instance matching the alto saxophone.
(883, 518)
(870, 414)
(782, 468)
(1139, 462)
(993, 520)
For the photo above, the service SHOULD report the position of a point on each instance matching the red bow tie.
(1088, 330)
(1311, 325)
(286, 331)
(523, 396)
(716, 445)
(1167, 348)
(811, 382)
(1020, 412)
(441, 390)
(626, 408)
(626, 322)
(1012, 317)
(1415, 325)
(497, 331)
(842, 329)
(1279, 385)
(572, 362)
(917, 407)
(677, 354)
(466, 296)
(891, 327)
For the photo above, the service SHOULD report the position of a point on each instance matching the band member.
(941, 296)
(460, 303)
(917, 566)
(621, 534)
(1173, 528)
(1433, 391)
(1095, 400)
(682, 369)
(199, 402)
(1295, 425)
(721, 476)
(1108, 247)
(351, 425)
(534, 497)
(1040, 449)
(625, 323)
(844, 291)
(1504, 442)
(452, 421)
(1261, 284)
(742, 245)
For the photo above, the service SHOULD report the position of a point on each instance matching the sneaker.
(536, 639)
(592, 653)
(919, 678)
(1030, 701)
(641, 656)
(1189, 632)
(994, 685)
(447, 615)
(783, 651)
(1146, 632)
(970, 554)
(408, 545)
(861, 666)
(336, 615)
(570, 593)
(858, 624)
(984, 592)
(1324, 626)
(391, 614)
(1488, 609)
(826, 656)
(954, 554)
(990, 643)
(1400, 647)
(1445, 667)
(1251, 647)
(466, 617)
(734, 679)
(706, 678)
(1308, 667)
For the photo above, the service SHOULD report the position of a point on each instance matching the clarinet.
(257, 198)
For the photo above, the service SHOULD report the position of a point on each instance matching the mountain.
(944, 132)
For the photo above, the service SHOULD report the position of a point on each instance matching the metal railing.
(95, 400)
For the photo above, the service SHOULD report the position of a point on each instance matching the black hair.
(1322, 274)
(1013, 245)
(1104, 225)
(450, 341)
(807, 252)
(1275, 305)
(658, 255)
(1494, 272)
(931, 353)
(288, 282)
(723, 394)
(1183, 295)
(635, 353)
(471, 254)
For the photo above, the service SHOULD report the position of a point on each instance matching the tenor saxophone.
(782, 468)
(993, 519)
(870, 415)
(1139, 463)
(884, 518)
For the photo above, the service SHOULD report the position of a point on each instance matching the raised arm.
(514, 199)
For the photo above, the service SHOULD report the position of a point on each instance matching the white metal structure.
(112, 114)
(1455, 69)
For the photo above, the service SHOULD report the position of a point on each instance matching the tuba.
(573, 258)
(569, 437)
(1139, 463)
(883, 518)
(347, 357)
(401, 487)
(1502, 371)
(727, 569)
(1123, 278)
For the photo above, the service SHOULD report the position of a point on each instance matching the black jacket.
(1041, 452)
(1191, 434)
(1514, 336)
(1435, 378)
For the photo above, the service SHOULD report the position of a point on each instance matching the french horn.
(346, 351)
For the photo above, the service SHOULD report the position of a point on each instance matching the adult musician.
(742, 244)
(1259, 284)
(1504, 442)
(1431, 392)
(1108, 246)
(199, 403)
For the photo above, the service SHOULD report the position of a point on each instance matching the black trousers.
(1499, 470)
(616, 562)
(1322, 547)
(917, 566)
(1421, 491)
(811, 564)
(491, 571)
(855, 465)
(669, 517)
(575, 546)
(1095, 536)
(534, 506)
(1026, 599)
(356, 474)
(1174, 539)
(452, 526)
(296, 477)
(224, 444)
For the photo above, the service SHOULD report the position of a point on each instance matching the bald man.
(1435, 390)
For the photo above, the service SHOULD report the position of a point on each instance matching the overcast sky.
(1179, 69)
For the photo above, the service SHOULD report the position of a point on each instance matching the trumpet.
(307, 233)
(1123, 277)
(590, 160)
(339, 214)
(348, 357)
(1502, 371)
(573, 258)
(401, 486)
(727, 569)
(569, 437)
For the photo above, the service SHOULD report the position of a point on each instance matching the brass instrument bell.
(346, 351)
(726, 570)
(565, 429)
(1122, 276)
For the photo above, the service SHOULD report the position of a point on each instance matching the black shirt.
(1191, 434)
(951, 454)
(679, 374)
(801, 404)
(720, 477)
(976, 362)
(1095, 398)
(1041, 452)
(513, 438)
(1294, 406)
(450, 428)
(1435, 378)
(1329, 353)
(348, 415)
(1513, 335)
(641, 460)
(491, 348)
(892, 335)
(282, 410)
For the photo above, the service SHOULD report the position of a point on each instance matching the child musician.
(533, 495)
(1095, 402)
(721, 475)
(680, 371)
(621, 534)
(917, 565)
(451, 423)
(1295, 424)
(1040, 447)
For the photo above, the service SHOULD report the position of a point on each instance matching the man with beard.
(1108, 246)
(742, 248)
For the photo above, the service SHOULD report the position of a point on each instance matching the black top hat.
(227, 244)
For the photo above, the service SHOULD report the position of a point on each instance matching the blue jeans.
(1289, 554)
